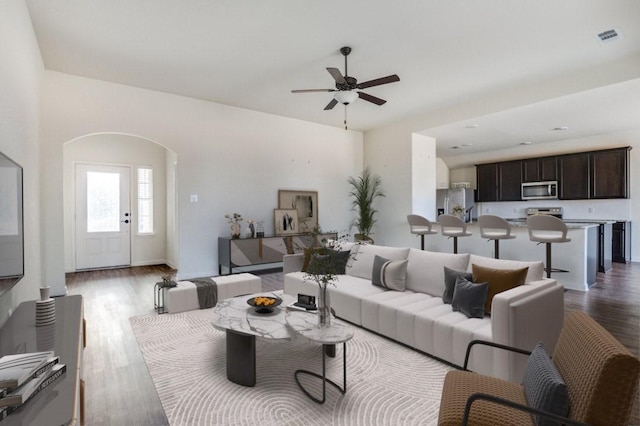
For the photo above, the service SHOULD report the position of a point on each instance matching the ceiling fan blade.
(337, 75)
(378, 81)
(331, 104)
(372, 99)
(312, 90)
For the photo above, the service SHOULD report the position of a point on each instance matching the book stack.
(23, 376)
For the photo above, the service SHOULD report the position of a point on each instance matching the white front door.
(103, 216)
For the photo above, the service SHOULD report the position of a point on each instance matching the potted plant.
(325, 262)
(364, 190)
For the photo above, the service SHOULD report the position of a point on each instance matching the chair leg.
(497, 249)
(548, 260)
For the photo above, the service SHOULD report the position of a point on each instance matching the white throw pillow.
(390, 274)
(362, 256)
(425, 271)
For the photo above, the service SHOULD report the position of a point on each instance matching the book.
(17, 369)
(30, 389)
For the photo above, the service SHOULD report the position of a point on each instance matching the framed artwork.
(305, 204)
(285, 221)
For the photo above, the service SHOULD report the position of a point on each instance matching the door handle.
(125, 221)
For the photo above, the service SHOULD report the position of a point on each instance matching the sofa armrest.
(292, 262)
(522, 317)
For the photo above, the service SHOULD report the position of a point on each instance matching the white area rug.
(387, 384)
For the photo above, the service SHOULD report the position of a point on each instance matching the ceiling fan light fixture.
(345, 97)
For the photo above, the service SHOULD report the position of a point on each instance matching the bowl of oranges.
(264, 304)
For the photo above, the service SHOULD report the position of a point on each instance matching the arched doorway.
(107, 155)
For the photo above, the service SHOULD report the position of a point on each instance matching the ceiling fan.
(346, 86)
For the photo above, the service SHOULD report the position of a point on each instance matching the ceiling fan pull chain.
(345, 117)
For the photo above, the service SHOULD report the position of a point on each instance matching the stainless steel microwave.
(540, 190)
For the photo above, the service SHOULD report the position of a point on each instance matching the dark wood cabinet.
(609, 172)
(510, 181)
(621, 242)
(574, 176)
(487, 182)
(581, 176)
(539, 169)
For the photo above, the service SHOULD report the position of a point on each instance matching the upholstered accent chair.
(600, 377)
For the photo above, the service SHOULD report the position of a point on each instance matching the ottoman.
(184, 297)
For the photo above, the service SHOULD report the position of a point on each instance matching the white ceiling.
(251, 54)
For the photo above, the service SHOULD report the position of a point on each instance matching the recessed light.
(561, 128)
(472, 126)
(455, 147)
(525, 143)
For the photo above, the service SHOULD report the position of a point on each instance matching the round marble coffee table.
(306, 325)
(242, 325)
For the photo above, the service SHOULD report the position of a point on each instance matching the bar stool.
(453, 227)
(420, 226)
(547, 229)
(495, 228)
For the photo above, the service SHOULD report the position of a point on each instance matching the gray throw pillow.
(450, 278)
(469, 298)
(328, 261)
(391, 274)
(544, 387)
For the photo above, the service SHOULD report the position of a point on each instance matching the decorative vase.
(324, 307)
(260, 229)
(252, 229)
(235, 230)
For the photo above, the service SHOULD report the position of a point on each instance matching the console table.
(63, 402)
(239, 252)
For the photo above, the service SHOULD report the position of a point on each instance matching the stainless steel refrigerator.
(447, 199)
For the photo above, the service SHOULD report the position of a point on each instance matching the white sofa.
(418, 317)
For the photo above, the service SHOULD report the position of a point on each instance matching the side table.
(306, 325)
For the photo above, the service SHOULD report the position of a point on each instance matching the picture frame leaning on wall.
(305, 203)
(285, 221)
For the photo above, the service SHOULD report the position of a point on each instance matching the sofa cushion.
(362, 256)
(535, 273)
(499, 280)
(390, 274)
(425, 273)
(469, 298)
(544, 387)
(450, 278)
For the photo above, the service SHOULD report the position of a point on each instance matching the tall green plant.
(365, 188)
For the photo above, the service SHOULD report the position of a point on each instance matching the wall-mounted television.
(11, 224)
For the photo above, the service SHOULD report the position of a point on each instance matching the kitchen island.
(579, 256)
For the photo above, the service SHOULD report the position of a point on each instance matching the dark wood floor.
(118, 386)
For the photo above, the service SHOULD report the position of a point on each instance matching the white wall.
(407, 165)
(423, 176)
(234, 160)
(442, 174)
(21, 72)
(120, 150)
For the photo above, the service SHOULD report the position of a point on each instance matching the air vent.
(610, 35)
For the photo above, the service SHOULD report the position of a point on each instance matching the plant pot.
(235, 230)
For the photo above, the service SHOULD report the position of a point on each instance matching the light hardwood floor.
(119, 390)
